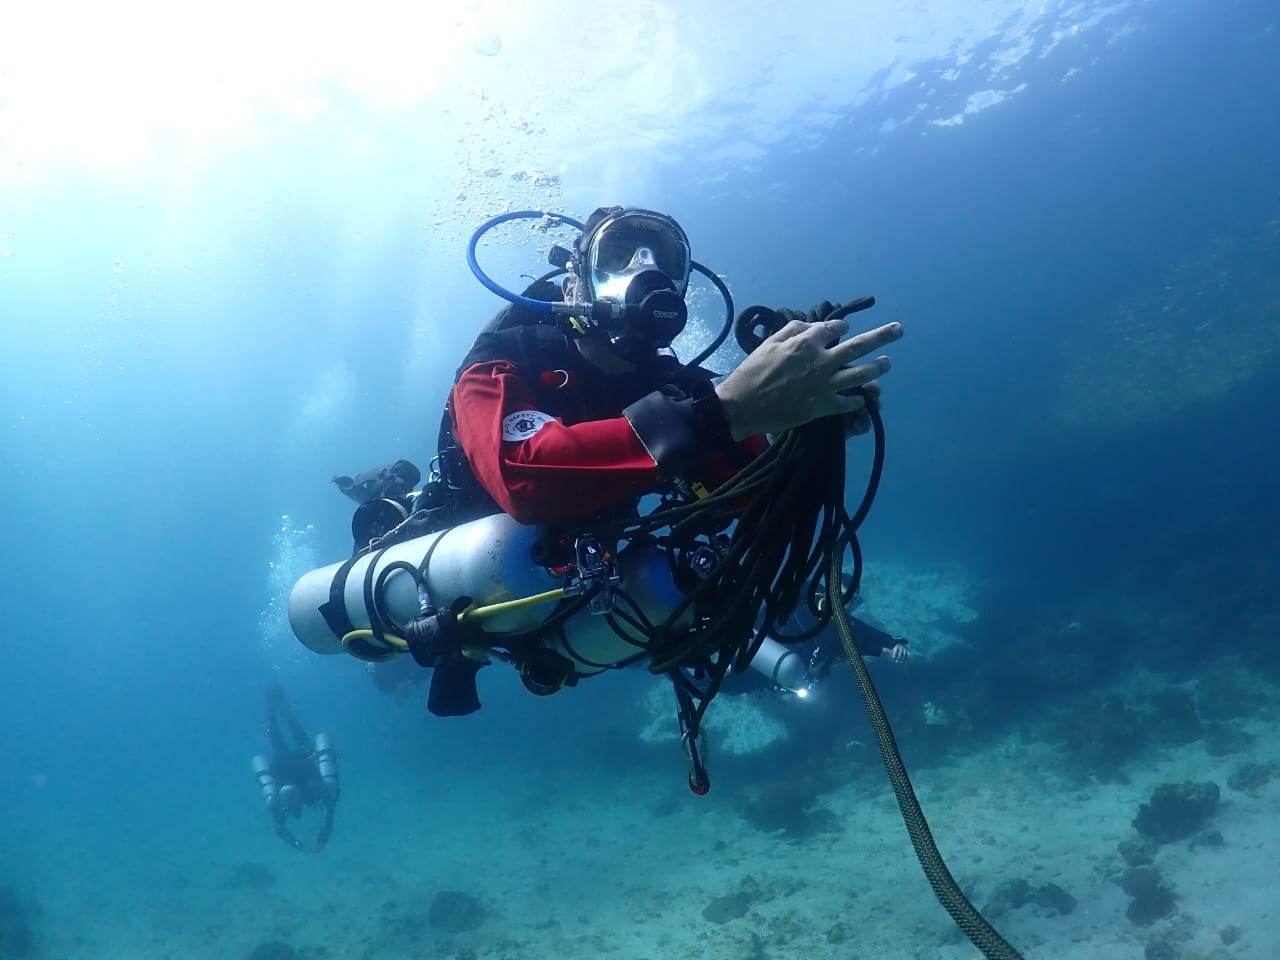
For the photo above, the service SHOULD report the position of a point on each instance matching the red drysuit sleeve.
(560, 472)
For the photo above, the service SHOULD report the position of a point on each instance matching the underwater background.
(232, 265)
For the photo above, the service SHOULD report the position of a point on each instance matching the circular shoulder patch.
(523, 424)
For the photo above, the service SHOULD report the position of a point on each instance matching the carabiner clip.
(699, 782)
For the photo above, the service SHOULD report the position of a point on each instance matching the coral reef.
(729, 907)
(1151, 899)
(925, 606)
(1013, 894)
(1252, 777)
(1173, 719)
(1223, 694)
(741, 726)
(736, 903)
(1100, 739)
(1101, 736)
(456, 912)
(790, 807)
(1224, 739)
(1176, 810)
(738, 725)
(1138, 851)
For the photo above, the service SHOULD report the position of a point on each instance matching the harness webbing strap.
(334, 610)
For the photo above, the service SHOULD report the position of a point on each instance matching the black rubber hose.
(726, 327)
(975, 926)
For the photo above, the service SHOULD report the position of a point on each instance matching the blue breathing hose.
(544, 306)
(491, 284)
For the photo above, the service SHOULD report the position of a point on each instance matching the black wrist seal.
(681, 432)
(708, 414)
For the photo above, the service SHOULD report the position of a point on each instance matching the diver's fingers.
(860, 374)
(864, 343)
(794, 328)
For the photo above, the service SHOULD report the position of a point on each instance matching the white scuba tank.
(491, 561)
(783, 665)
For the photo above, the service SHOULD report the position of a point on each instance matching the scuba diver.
(535, 541)
(299, 773)
(568, 413)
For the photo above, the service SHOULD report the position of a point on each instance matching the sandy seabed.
(568, 864)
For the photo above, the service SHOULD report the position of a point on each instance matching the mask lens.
(638, 242)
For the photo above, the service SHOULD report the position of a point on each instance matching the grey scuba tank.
(326, 758)
(266, 779)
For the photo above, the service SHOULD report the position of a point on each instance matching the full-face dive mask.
(628, 273)
(637, 262)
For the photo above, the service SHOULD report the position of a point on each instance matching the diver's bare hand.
(803, 372)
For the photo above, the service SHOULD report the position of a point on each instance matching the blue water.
(1082, 415)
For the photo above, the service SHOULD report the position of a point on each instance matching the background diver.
(299, 773)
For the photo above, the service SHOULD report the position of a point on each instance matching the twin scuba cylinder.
(267, 785)
(273, 793)
(492, 561)
(326, 759)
